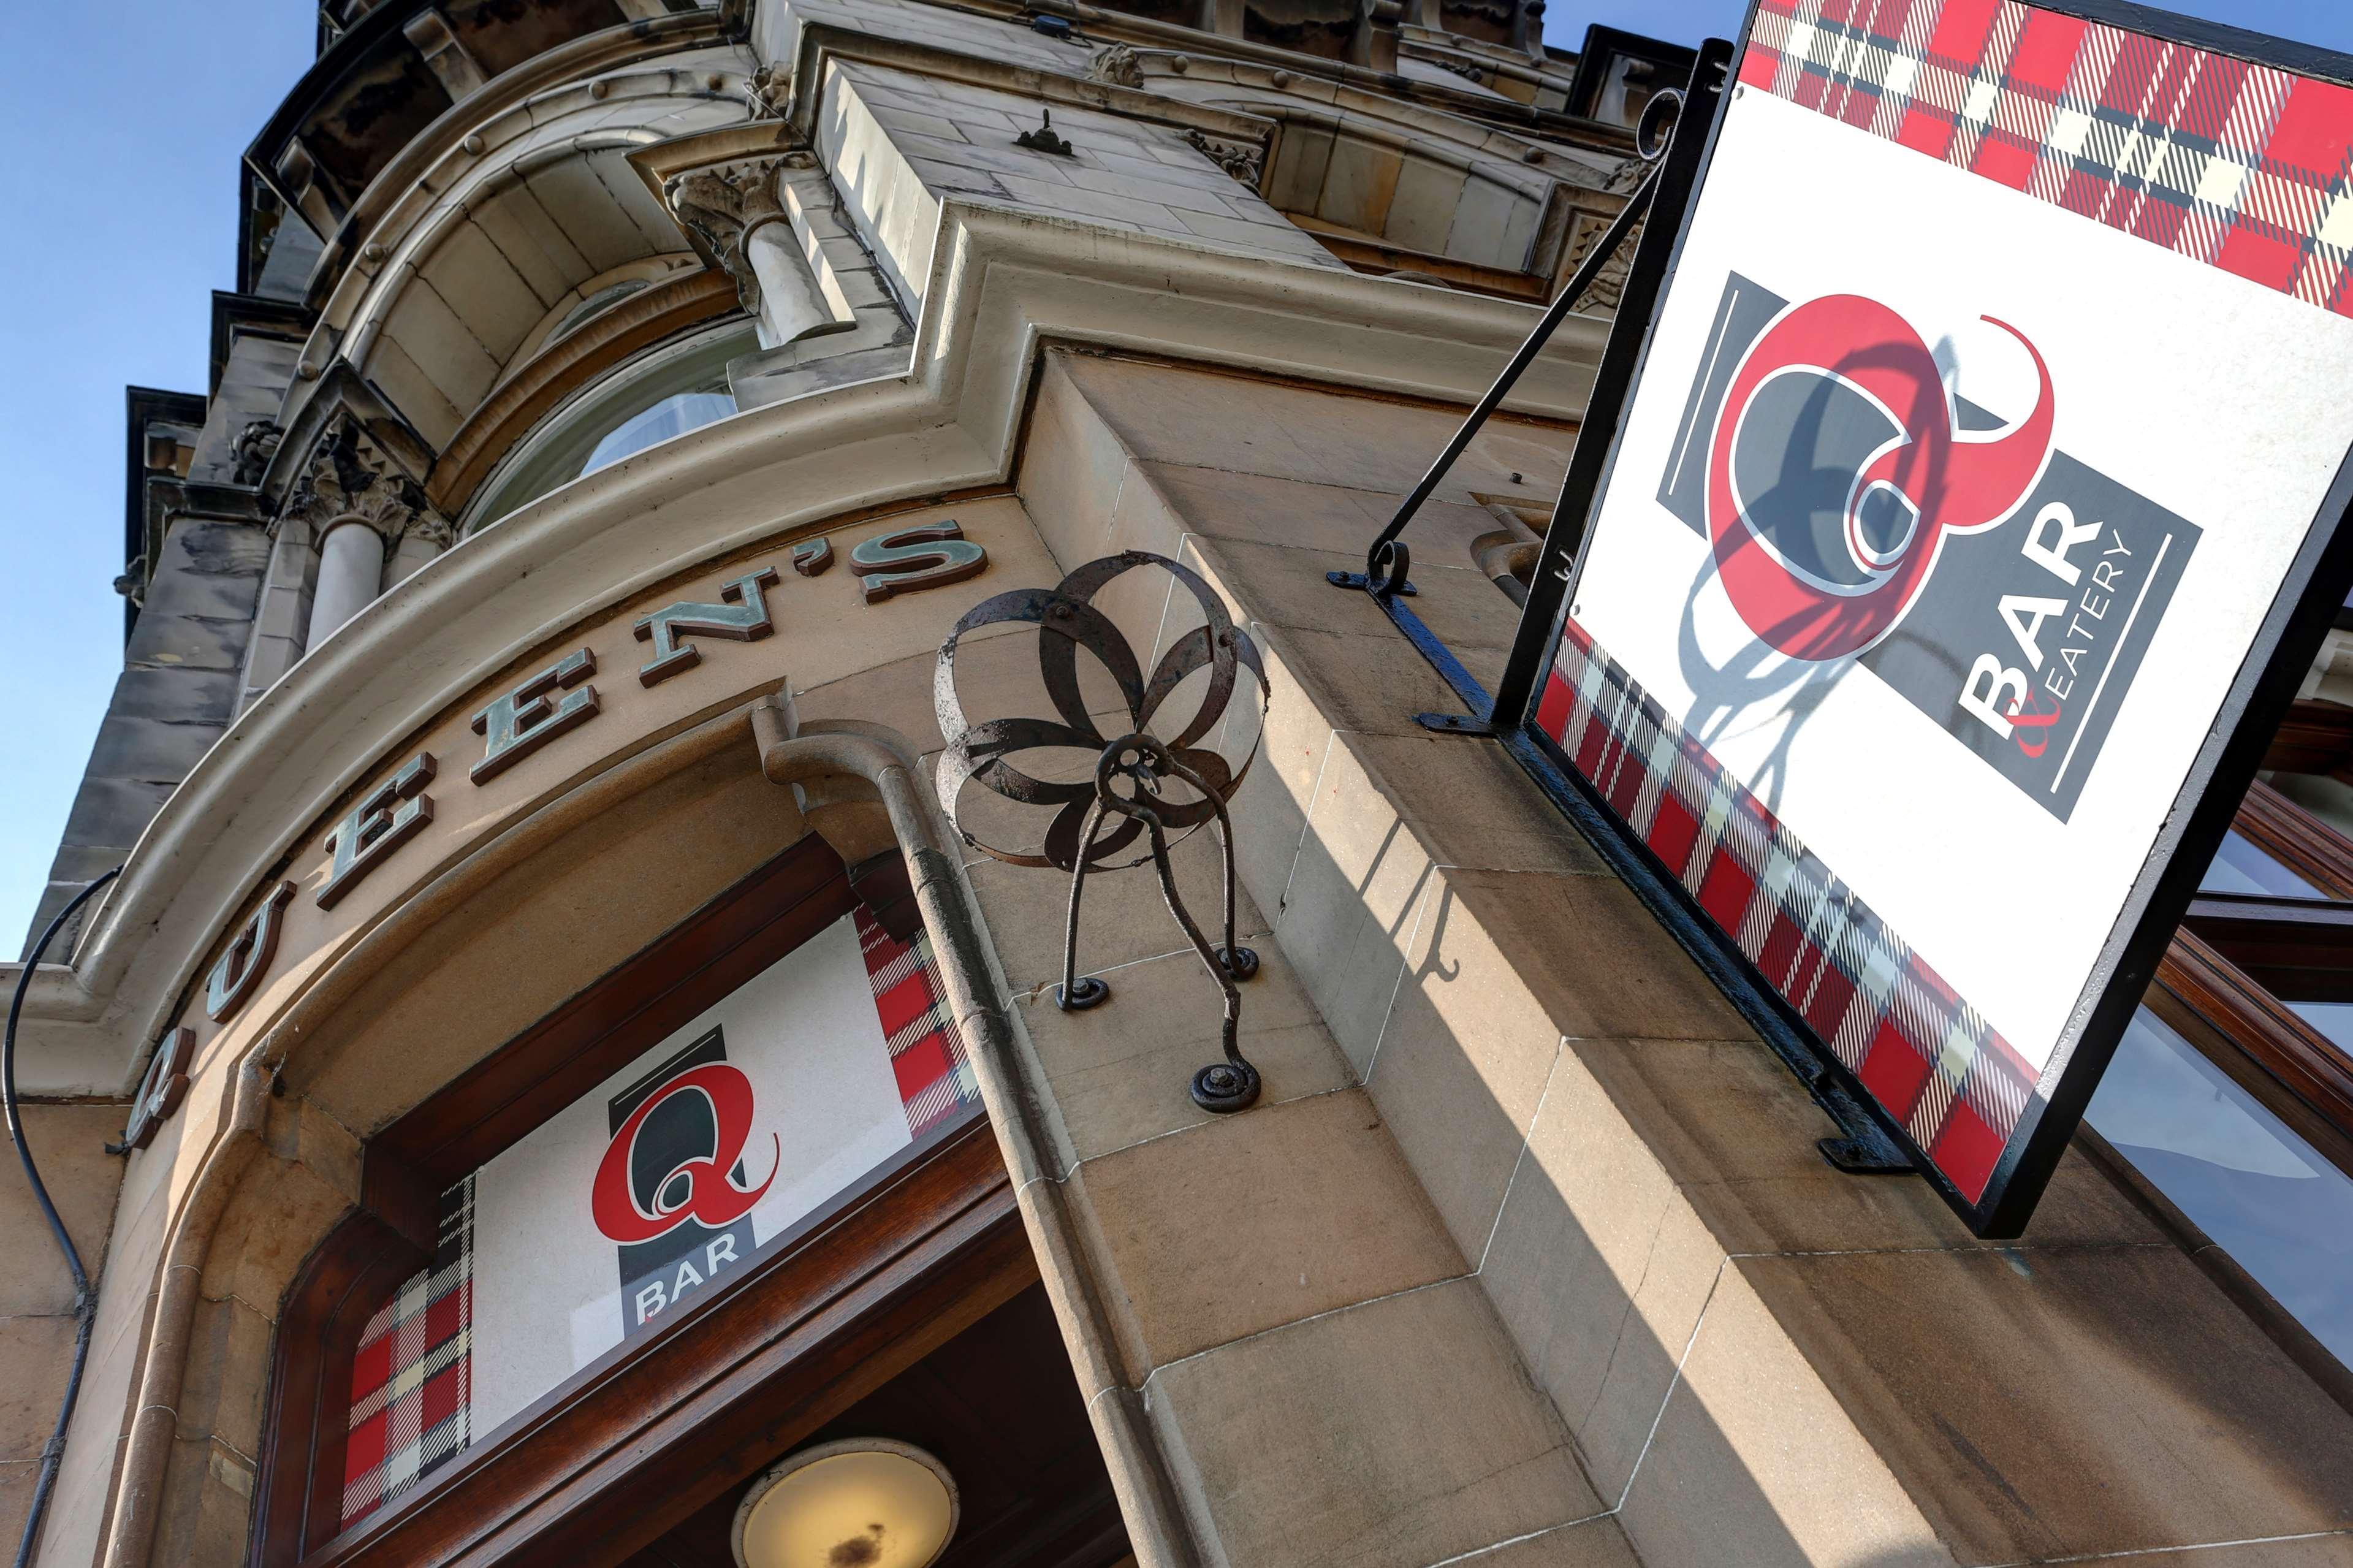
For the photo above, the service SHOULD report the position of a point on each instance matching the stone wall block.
(1314, 1211)
(204, 1514)
(208, 695)
(1071, 471)
(35, 1354)
(1122, 918)
(181, 642)
(489, 292)
(1269, 809)
(1462, 1059)
(1422, 206)
(228, 1371)
(1287, 587)
(1117, 1088)
(68, 1143)
(109, 813)
(533, 243)
(1395, 1434)
(419, 397)
(277, 1216)
(1752, 1447)
(1596, 1543)
(152, 750)
(1379, 445)
(1353, 897)
(461, 368)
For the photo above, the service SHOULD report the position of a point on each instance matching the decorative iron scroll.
(1142, 785)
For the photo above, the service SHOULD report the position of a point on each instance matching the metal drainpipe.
(1013, 1099)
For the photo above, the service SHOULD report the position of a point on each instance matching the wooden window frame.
(641, 1439)
(2223, 982)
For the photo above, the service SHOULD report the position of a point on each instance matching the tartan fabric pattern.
(927, 1054)
(2238, 166)
(412, 1382)
(1954, 1084)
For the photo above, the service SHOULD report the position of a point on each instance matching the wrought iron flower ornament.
(1147, 782)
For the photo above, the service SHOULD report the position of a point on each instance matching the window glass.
(2240, 867)
(2238, 1173)
(672, 416)
(2333, 1019)
(666, 391)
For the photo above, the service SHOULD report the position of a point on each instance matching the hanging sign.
(1979, 481)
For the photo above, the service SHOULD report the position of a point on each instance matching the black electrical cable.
(85, 1302)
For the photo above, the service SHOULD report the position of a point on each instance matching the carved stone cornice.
(1245, 161)
(1119, 65)
(1609, 282)
(256, 445)
(349, 479)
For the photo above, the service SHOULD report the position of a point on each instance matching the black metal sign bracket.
(1674, 137)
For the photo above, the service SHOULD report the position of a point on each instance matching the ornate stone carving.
(1626, 176)
(1119, 65)
(723, 204)
(256, 445)
(1466, 69)
(1245, 161)
(349, 479)
(768, 91)
(1609, 282)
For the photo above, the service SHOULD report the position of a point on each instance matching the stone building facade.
(531, 676)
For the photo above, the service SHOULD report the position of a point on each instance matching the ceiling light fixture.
(864, 1502)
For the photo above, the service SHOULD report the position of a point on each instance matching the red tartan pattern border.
(411, 1383)
(2240, 166)
(927, 1055)
(1957, 1087)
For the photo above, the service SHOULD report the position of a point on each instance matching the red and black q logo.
(652, 1181)
(1835, 469)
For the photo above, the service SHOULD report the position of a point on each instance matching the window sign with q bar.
(1978, 418)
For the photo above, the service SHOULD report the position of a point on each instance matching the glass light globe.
(866, 1502)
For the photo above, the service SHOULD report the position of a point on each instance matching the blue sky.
(143, 109)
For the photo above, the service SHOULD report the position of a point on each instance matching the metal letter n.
(744, 618)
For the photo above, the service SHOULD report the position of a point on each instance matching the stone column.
(365, 511)
(351, 572)
(739, 215)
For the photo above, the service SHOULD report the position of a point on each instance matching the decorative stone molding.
(255, 445)
(1609, 283)
(458, 71)
(1119, 65)
(1245, 161)
(768, 92)
(1626, 176)
(349, 479)
(725, 204)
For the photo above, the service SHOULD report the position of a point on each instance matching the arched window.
(663, 392)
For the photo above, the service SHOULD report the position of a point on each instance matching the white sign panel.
(2002, 376)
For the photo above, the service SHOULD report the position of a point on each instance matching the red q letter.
(1951, 486)
(712, 1197)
